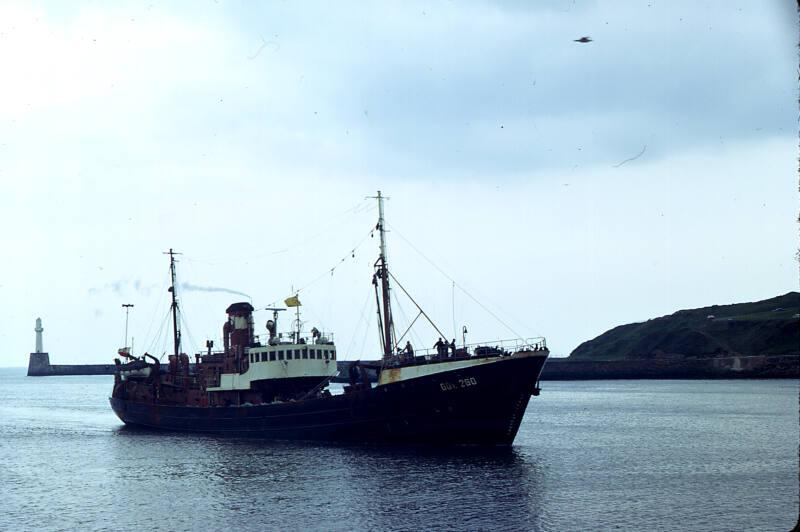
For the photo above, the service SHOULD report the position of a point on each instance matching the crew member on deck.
(409, 350)
(453, 348)
(441, 348)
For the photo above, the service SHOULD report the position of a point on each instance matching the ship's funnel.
(238, 330)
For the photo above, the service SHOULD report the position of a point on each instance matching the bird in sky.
(584, 39)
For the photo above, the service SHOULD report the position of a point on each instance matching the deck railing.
(324, 338)
(480, 348)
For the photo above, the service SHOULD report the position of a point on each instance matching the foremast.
(385, 323)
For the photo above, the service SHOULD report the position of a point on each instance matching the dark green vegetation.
(768, 327)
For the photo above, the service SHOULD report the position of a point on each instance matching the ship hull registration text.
(462, 383)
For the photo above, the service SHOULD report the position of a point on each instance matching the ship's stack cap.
(240, 308)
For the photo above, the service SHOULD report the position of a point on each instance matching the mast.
(176, 331)
(383, 274)
(127, 307)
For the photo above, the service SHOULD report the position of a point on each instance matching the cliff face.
(768, 327)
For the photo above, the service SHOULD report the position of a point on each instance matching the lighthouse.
(39, 330)
(39, 361)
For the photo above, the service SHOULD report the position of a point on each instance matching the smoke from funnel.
(195, 288)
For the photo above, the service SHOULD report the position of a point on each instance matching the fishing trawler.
(277, 388)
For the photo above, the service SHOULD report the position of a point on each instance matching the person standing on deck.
(441, 348)
(409, 351)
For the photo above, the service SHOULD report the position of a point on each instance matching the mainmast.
(176, 331)
(383, 274)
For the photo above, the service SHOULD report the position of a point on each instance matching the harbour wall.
(39, 366)
(555, 369)
(732, 367)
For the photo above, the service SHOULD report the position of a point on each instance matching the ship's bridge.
(283, 360)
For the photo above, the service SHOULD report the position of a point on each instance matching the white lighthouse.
(39, 330)
(39, 362)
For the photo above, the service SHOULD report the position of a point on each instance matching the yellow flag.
(292, 301)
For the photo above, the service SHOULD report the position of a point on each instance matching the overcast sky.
(566, 187)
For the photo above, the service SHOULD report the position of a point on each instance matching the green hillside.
(768, 327)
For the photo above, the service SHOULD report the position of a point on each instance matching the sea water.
(602, 455)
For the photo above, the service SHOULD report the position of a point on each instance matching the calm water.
(619, 455)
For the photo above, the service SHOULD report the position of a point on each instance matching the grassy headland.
(768, 327)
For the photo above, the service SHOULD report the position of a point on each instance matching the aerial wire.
(455, 283)
(453, 307)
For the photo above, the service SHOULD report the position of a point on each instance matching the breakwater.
(39, 366)
(556, 369)
(731, 367)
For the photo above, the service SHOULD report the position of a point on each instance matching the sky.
(537, 186)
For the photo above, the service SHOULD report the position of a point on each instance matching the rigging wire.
(441, 334)
(405, 319)
(333, 223)
(330, 271)
(361, 320)
(394, 230)
(453, 307)
(191, 341)
(163, 293)
(410, 329)
(366, 334)
(157, 338)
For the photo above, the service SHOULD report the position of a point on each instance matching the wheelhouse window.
(280, 355)
(272, 356)
(305, 353)
(319, 354)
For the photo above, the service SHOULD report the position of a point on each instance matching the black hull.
(478, 405)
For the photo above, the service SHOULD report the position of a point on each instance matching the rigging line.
(331, 225)
(364, 340)
(362, 319)
(162, 331)
(408, 328)
(418, 307)
(455, 283)
(191, 341)
(164, 347)
(190, 338)
(401, 311)
(330, 271)
(163, 293)
(157, 338)
(453, 307)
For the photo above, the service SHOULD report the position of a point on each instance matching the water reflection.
(255, 483)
